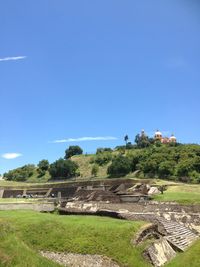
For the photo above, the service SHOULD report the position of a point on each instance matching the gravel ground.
(79, 260)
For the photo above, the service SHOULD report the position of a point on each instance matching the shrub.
(62, 168)
(43, 165)
(103, 158)
(95, 169)
(20, 174)
(120, 166)
(72, 151)
(105, 149)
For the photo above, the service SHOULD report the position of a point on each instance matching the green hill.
(175, 162)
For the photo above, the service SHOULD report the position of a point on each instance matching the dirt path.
(79, 260)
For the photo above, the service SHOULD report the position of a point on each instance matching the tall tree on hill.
(43, 165)
(142, 141)
(63, 169)
(126, 139)
(72, 151)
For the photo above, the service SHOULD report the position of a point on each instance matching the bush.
(41, 172)
(95, 169)
(20, 174)
(63, 169)
(166, 168)
(195, 176)
(73, 151)
(105, 149)
(43, 165)
(103, 158)
(120, 166)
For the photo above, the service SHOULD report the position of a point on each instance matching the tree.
(142, 141)
(149, 166)
(43, 165)
(103, 149)
(95, 169)
(63, 169)
(120, 166)
(126, 139)
(72, 151)
(20, 174)
(103, 158)
(166, 168)
(184, 167)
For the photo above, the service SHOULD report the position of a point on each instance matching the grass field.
(182, 193)
(23, 233)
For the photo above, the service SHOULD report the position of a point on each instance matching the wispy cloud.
(12, 58)
(11, 155)
(82, 139)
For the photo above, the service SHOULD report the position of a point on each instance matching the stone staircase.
(177, 234)
(172, 237)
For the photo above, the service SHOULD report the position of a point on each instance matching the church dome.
(158, 133)
(172, 137)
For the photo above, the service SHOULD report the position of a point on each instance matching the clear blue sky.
(96, 69)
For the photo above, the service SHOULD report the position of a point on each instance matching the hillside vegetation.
(175, 162)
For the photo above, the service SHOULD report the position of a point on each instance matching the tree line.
(63, 168)
(146, 158)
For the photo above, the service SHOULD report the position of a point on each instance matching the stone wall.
(46, 207)
(188, 215)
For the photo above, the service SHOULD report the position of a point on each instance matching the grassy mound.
(182, 193)
(190, 258)
(15, 252)
(33, 231)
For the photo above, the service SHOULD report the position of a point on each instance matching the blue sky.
(96, 69)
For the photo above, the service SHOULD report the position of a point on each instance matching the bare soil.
(79, 260)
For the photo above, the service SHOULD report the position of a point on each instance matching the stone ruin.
(173, 227)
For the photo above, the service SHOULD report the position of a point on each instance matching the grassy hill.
(24, 233)
(173, 162)
(85, 167)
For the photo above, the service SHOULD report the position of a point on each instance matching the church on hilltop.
(159, 137)
(164, 140)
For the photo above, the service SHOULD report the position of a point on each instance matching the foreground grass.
(14, 252)
(33, 231)
(190, 258)
(183, 194)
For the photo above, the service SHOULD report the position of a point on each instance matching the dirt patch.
(79, 260)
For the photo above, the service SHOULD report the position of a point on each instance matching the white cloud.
(11, 155)
(81, 139)
(12, 58)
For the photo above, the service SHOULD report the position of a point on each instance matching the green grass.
(24, 233)
(183, 194)
(32, 231)
(85, 167)
(190, 258)
(15, 253)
